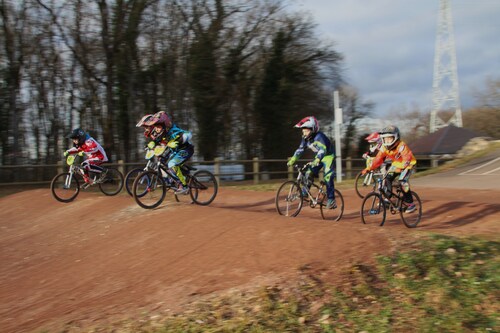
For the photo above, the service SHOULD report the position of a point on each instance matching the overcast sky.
(389, 46)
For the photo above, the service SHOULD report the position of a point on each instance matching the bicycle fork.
(67, 181)
(368, 179)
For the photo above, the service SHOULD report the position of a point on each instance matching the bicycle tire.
(59, 189)
(203, 187)
(149, 189)
(411, 220)
(129, 179)
(288, 195)
(112, 183)
(373, 210)
(362, 189)
(333, 214)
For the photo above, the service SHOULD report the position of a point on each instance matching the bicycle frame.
(158, 158)
(73, 169)
(389, 194)
(76, 169)
(304, 186)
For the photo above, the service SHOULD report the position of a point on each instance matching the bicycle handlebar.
(303, 168)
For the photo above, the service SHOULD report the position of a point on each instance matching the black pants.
(406, 194)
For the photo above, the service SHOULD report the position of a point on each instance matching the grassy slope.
(439, 284)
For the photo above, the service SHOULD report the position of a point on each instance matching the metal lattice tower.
(445, 95)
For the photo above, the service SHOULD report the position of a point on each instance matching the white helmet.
(387, 132)
(309, 122)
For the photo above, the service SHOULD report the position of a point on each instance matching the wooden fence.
(255, 170)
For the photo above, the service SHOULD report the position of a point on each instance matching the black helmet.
(79, 134)
(387, 132)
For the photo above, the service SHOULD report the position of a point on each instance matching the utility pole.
(337, 118)
(445, 93)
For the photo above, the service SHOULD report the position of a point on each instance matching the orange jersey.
(401, 157)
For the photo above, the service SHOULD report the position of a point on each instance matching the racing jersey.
(319, 144)
(401, 157)
(177, 134)
(92, 149)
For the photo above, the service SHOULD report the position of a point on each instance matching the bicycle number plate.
(70, 159)
(149, 154)
(159, 150)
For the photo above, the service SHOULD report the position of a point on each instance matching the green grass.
(438, 284)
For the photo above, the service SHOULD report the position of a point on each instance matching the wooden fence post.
(60, 166)
(121, 167)
(434, 161)
(217, 169)
(255, 170)
(290, 170)
(348, 167)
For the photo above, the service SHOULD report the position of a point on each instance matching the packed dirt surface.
(99, 260)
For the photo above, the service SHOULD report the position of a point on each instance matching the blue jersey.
(178, 134)
(319, 144)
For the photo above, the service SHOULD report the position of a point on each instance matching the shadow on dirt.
(453, 219)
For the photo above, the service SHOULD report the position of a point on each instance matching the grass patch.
(438, 284)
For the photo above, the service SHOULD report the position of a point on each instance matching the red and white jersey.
(92, 149)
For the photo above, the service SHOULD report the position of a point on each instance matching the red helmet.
(143, 120)
(308, 122)
(373, 138)
(160, 118)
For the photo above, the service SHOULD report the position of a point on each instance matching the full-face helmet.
(79, 134)
(390, 132)
(373, 138)
(142, 123)
(309, 122)
(160, 118)
(143, 120)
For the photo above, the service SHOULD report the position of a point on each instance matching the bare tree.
(354, 109)
(14, 42)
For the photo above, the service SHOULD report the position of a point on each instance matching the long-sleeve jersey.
(319, 144)
(92, 149)
(401, 157)
(177, 134)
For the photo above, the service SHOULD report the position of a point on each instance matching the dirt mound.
(102, 259)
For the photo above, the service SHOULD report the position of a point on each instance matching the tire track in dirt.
(102, 259)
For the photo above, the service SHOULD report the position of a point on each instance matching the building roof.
(447, 140)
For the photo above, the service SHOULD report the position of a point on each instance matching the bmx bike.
(150, 186)
(65, 186)
(292, 194)
(153, 156)
(375, 204)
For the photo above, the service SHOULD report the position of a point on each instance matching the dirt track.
(101, 259)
